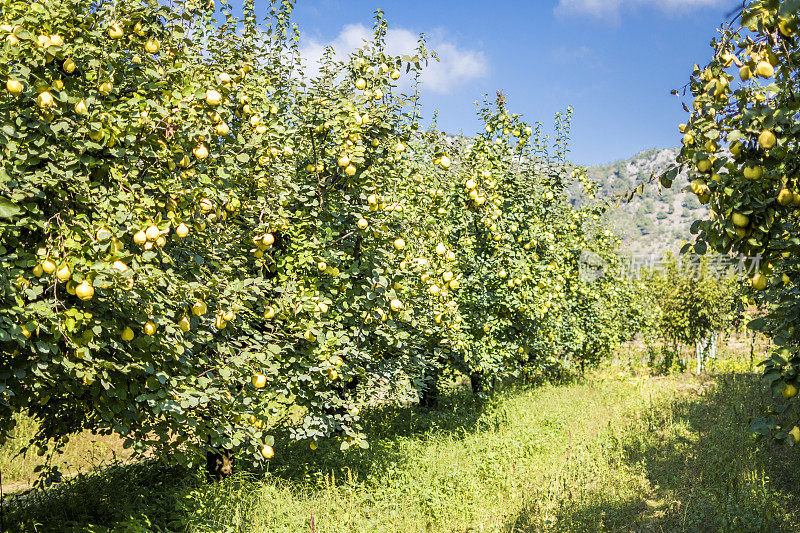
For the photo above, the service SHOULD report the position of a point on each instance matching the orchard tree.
(696, 301)
(741, 149)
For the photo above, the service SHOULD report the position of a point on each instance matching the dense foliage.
(741, 144)
(200, 243)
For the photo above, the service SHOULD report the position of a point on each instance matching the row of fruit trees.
(200, 243)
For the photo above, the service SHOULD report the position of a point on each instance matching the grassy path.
(614, 453)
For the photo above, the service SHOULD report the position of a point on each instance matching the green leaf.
(8, 209)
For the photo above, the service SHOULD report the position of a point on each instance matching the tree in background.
(696, 302)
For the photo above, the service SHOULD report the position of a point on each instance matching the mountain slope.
(656, 220)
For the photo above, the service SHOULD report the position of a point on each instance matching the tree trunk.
(476, 382)
(429, 395)
(714, 339)
(219, 465)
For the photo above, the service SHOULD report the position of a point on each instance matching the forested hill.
(657, 219)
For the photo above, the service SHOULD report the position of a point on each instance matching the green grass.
(83, 452)
(617, 452)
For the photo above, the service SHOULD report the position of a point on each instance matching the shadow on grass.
(149, 496)
(703, 470)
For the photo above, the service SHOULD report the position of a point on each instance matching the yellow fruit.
(361, 84)
(455, 284)
(740, 220)
(106, 88)
(200, 151)
(199, 308)
(219, 322)
(115, 31)
(362, 223)
(268, 239)
(745, 73)
(312, 446)
(149, 328)
(764, 69)
(206, 205)
(127, 334)
(152, 233)
(754, 173)
(786, 27)
(698, 186)
(213, 97)
(45, 100)
(789, 391)
(222, 129)
(441, 249)
(350, 170)
(185, 324)
(785, 197)
(395, 74)
(704, 165)
(399, 245)
(759, 282)
(767, 140)
(269, 312)
(63, 274)
(152, 46)
(14, 87)
(69, 66)
(84, 290)
(182, 230)
(444, 162)
(395, 305)
(228, 316)
(140, 237)
(81, 108)
(434, 290)
(267, 451)
(48, 266)
(795, 433)
(259, 381)
(38, 271)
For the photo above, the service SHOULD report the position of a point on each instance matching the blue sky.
(614, 61)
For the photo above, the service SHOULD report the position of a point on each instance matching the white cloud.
(455, 67)
(610, 9)
(569, 54)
